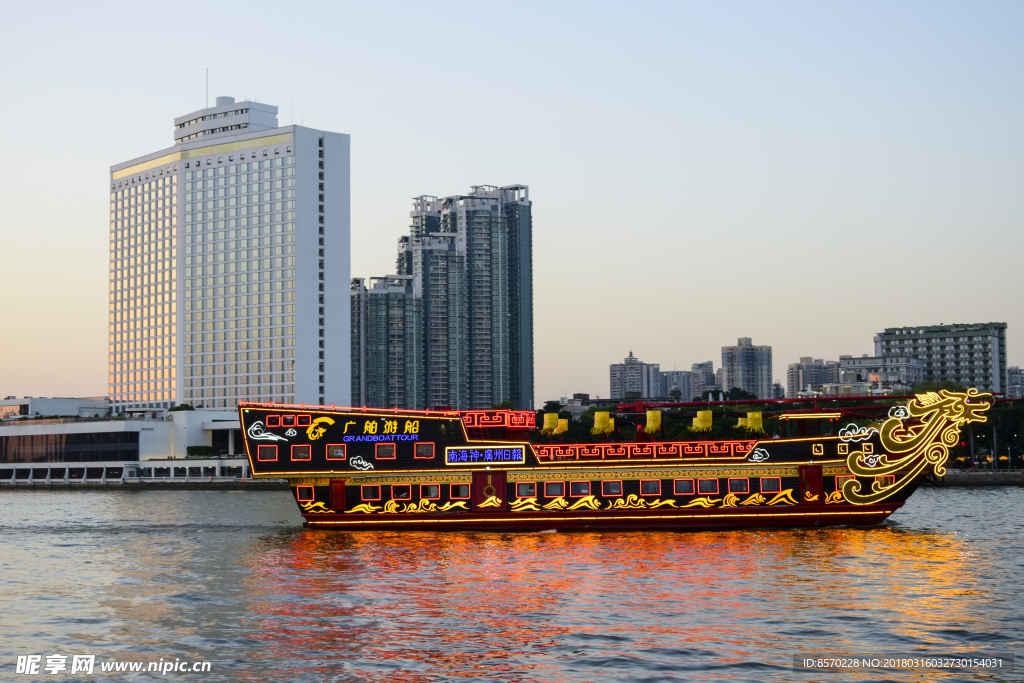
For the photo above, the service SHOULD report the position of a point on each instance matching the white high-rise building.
(218, 246)
(632, 376)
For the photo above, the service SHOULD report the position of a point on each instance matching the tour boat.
(491, 470)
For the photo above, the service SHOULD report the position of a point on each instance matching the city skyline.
(878, 142)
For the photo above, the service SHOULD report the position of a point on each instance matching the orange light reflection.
(423, 606)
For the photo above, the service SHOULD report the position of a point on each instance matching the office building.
(747, 367)
(145, 444)
(897, 373)
(971, 355)
(1014, 382)
(702, 378)
(680, 379)
(633, 378)
(387, 345)
(810, 372)
(470, 257)
(14, 408)
(218, 246)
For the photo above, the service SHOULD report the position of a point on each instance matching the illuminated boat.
(360, 468)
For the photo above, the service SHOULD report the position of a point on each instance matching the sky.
(801, 173)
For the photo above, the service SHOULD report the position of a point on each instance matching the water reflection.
(424, 605)
(234, 579)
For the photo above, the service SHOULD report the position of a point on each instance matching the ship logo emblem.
(360, 464)
(759, 455)
(257, 432)
(317, 428)
(291, 432)
(856, 433)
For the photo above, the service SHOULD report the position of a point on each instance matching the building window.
(459, 492)
(611, 489)
(707, 486)
(554, 489)
(650, 487)
(683, 487)
(526, 489)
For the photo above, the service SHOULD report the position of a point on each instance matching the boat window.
(287, 420)
(303, 421)
(424, 451)
(554, 489)
(304, 494)
(266, 453)
(683, 487)
(401, 492)
(336, 452)
(611, 488)
(459, 492)
(739, 485)
(370, 492)
(273, 420)
(771, 484)
(840, 480)
(301, 452)
(886, 480)
(385, 451)
(707, 485)
(579, 488)
(526, 489)
(430, 491)
(650, 487)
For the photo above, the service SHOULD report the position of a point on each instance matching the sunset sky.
(804, 174)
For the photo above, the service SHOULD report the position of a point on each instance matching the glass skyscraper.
(218, 290)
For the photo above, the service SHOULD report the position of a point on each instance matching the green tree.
(938, 386)
(504, 405)
(183, 406)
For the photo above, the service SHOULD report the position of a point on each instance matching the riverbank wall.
(192, 484)
(974, 478)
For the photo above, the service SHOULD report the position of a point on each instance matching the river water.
(232, 578)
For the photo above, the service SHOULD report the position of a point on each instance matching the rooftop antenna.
(207, 88)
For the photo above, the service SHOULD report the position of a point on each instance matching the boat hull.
(614, 520)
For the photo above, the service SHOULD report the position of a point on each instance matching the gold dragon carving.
(914, 436)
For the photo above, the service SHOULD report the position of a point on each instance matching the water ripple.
(233, 578)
